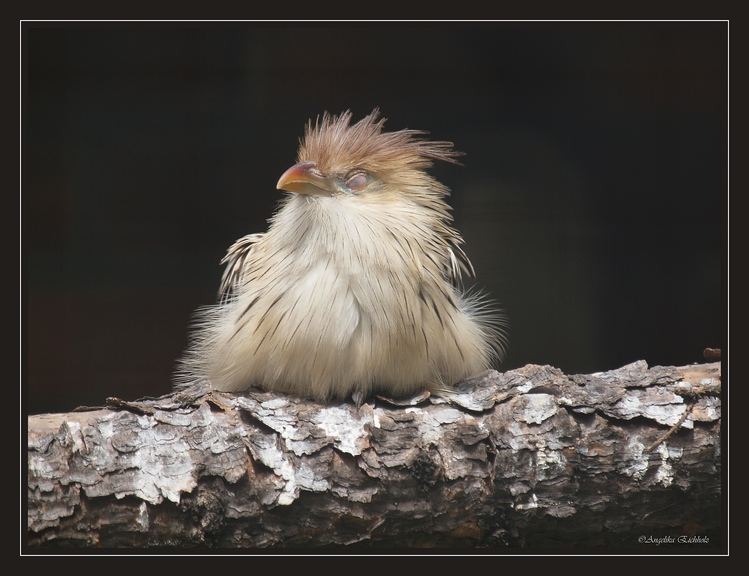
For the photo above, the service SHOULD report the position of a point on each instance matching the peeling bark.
(526, 458)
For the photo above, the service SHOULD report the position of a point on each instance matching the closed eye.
(356, 181)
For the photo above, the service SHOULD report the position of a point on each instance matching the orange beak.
(305, 178)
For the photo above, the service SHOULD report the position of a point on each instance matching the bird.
(356, 288)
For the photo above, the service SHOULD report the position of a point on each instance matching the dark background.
(593, 199)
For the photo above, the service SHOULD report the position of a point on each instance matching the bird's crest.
(335, 145)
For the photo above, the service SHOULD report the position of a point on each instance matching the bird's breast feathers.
(341, 304)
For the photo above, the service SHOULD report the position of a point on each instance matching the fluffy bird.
(356, 286)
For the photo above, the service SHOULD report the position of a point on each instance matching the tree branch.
(526, 458)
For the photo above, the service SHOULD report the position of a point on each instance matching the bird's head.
(336, 157)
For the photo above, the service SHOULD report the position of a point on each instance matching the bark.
(526, 458)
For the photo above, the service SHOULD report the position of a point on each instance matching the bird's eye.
(356, 181)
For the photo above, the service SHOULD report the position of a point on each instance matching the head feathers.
(337, 146)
